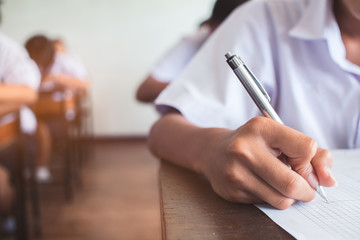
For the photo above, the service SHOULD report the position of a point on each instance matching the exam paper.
(337, 219)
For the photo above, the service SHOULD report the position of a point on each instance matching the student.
(169, 67)
(306, 53)
(41, 50)
(59, 70)
(56, 65)
(67, 69)
(19, 80)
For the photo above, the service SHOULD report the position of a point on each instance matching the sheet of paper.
(337, 219)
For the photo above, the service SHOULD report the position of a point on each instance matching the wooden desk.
(8, 133)
(191, 210)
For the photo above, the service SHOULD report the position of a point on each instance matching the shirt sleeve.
(69, 64)
(17, 67)
(207, 92)
(175, 60)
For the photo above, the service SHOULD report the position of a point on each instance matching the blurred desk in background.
(192, 210)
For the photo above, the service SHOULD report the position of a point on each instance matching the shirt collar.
(318, 23)
(314, 20)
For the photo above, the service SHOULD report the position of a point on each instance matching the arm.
(8, 108)
(12, 97)
(242, 165)
(150, 89)
(17, 94)
(67, 81)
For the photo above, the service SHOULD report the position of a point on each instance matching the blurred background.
(118, 40)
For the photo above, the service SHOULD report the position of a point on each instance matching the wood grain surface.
(191, 210)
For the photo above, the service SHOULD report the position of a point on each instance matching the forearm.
(18, 95)
(174, 139)
(68, 82)
(8, 108)
(150, 89)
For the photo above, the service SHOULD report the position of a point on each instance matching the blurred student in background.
(19, 80)
(41, 50)
(57, 66)
(67, 69)
(59, 71)
(174, 61)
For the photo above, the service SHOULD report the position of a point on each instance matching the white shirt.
(68, 64)
(17, 68)
(294, 47)
(65, 63)
(174, 61)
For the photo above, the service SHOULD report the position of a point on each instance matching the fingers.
(295, 183)
(295, 145)
(322, 163)
(281, 178)
(301, 152)
(247, 187)
(262, 190)
(256, 172)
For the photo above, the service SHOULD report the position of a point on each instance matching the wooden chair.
(61, 104)
(83, 126)
(11, 142)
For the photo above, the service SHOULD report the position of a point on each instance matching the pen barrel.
(255, 93)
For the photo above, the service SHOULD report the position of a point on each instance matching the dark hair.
(41, 50)
(221, 10)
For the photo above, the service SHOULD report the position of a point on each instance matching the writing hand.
(243, 165)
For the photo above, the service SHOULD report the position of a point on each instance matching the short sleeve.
(175, 60)
(16, 65)
(69, 64)
(207, 92)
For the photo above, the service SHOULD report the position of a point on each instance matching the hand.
(244, 165)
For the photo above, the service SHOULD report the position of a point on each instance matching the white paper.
(337, 219)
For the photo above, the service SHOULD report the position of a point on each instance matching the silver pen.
(258, 94)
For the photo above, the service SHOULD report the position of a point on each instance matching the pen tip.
(321, 192)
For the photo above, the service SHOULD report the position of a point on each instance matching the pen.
(258, 94)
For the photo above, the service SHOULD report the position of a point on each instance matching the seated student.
(41, 50)
(67, 69)
(170, 66)
(19, 80)
(306, 53)
(59, 70)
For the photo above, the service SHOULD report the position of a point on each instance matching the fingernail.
(312, 180)
(332, 176)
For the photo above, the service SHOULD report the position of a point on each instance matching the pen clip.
(262, 89)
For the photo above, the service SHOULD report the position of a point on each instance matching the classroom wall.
(118, 40)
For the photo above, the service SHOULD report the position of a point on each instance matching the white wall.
(118, 40)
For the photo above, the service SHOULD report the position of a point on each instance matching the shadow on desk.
(192, 210)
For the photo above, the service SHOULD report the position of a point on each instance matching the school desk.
(190, 209)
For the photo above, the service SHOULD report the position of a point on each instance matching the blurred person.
(175, 60)
(19, 80)
(63, 75)
(41, 50)
(67, 69)
(57, 66)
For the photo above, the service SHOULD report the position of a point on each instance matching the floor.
(119, 198)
